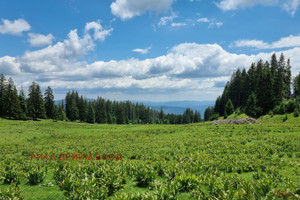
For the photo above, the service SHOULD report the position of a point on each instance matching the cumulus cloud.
(64, 55)
(99, 32)
(9, 65)
(39, 40)
(143, 51)
(186, 70)
(126, 9)
(288, 5)
(16, 27)
(285, 42)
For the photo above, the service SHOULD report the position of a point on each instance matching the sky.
(145, 50)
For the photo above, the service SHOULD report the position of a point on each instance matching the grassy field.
(193, 161)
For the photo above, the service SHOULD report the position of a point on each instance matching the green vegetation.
(101, 111)
(264, 88)
(192, 161)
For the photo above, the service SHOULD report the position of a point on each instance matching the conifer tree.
(91, 113)
(229, 109)
(296, 85)
(2, 94)
(12, 103)
(35, 102)
(49, 102)
(23, 105)
(251, 108)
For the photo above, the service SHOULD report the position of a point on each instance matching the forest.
(15, 105)
(264, 89)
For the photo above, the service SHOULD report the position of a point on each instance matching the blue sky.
(146, 50)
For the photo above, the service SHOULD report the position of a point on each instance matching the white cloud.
(291, 6)
(288, 5)
(143, 51)
(212, 22)
(285, 42)
(126, 9)
(16, 27)
(39, 40)
(99, 32)
(63, 55)
(189, 70)
(179, 24)
(203, 20)
(9, 66)
(166, 19)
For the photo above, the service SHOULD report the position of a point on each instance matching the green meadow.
(191, 161)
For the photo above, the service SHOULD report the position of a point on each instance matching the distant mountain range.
(176, 107)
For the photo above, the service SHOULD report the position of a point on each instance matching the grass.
(210, 152)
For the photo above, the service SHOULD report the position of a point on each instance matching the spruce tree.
(91, 113)
(12, 103)
(3, 86)
(229, 109)
(82, 109)
(120, 114)
(23, 105)
(49, 102)
(100, 109)
(35, 102)
(251, 108)
(296, 86)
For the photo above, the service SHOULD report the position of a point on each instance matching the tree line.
(264, 89)
(75, 107)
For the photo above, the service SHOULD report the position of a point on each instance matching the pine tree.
(55, 113)
(91, 113)
(208, 113)
(82, 109)
(100, 109)
(3, 86)
(12, 103)
(35, 102)
(188, 116)
(49, 102)
(197, 116)
(120, 114)
(251, 108)
(161, 116)
(229, 109)
(287, 80)
(71, 106)
(61, 115)
(235, 89)
(264, 92)
(296, 85)
(23, 105)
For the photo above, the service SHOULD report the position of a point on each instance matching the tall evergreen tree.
(82, 106)
(35, 102)
(12, 103)
(208, 113)
(251, 108)
(49, 102)
(229, 108)
(120, 114)
(296, 85)
(3, 86)
(71, 106)
(91, 113)
(23, 105)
